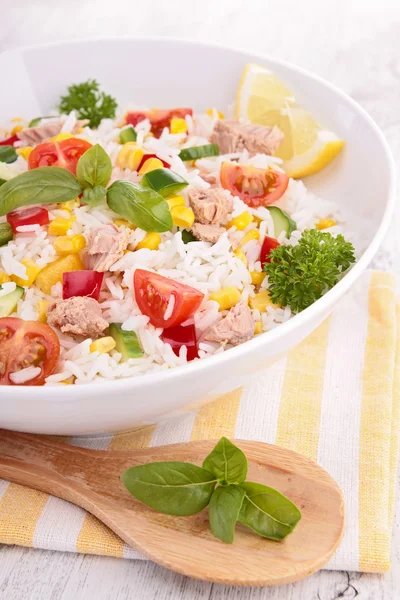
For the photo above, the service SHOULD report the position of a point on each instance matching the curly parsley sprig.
(299, 275)
(89, 102)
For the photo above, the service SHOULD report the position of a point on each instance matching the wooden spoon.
(91, 479)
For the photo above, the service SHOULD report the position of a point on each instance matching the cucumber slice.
(282, 221)
(199, 152)
(127, 342)
(6, 233)
(127, 135)
(8, 303)
(164, 181)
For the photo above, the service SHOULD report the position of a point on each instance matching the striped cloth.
(334, 398)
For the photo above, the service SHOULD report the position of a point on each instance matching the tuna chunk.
(78, 317)
(207, 233)
(36, 135)
(106, 245)
(210, 206)
(233, 136)
(235, 328)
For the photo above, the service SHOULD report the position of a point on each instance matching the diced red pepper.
(9, 141)
(159, 118)
(147, 156)
(269, 244)
(82, 283)
(182, 336)
(34, 215)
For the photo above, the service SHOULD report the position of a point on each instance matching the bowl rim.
(196, 368)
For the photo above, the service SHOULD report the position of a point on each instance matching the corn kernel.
(53, 272)
(175, 201)
(41, 309)
(258, 328)
(150, 165)
(241, 221)
(17, 129)
(25, 152)
(241, 256)
(325, 224)
(182, 216)
(226, 298)
(178, 125)
(261, 301)
(70, 205)
(4, 278)
(17, 120)
(61, 136)
(213, 112)
(124, 223)
(130, 156)
(69, 244)
(66, 382)
(256, 277)
(103, 345)
(32, 271)
(60, 226)
(151, 241)
(253, 234)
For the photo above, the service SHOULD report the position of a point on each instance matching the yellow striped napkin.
(334, 398)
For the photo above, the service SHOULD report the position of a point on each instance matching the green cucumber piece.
(6, 233)
(128, 134)
(8, 154)
(196, 152)
(127, 342)
(8, 303)
(282, 221)
(187, 236)
(164, 181)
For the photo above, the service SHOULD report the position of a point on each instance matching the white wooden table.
(352, 43)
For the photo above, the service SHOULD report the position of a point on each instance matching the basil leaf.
(227, 462)
(45, 185)
(141, 206)
(187, 236)
(94, 167)
(37, 120)
(173, 488)
(94, 196)
(2, 181)
(267, 512)
(224, 509)
(8, 154)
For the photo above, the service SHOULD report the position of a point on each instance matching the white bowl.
(167, 73)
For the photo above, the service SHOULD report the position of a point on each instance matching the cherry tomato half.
(147, 156)
(269, 244)
(182, 336)
(159, 118)
(25, 344)
(58, 154)
(82, 283)
(34, 215)
(153, 294)
(9, 141)
(256, 187)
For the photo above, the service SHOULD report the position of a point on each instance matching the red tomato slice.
(269, 244)
(34, 215)
(256, 187)
(58, 154)
(147, 156)
(159, 118)
(153, 294)
(9, 141)
(182, 336)
(24, 344)
(82, 283)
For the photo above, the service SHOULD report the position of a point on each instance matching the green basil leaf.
(45, 185)
(224, 509)
(173, 488)
(94, 167)
(2, 181)
(227, 462)
(94, 196)
(37, 120)
(267, 512)
(8, 154)
(187, 236)
(141, 206)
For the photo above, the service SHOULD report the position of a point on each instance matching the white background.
(355, 44)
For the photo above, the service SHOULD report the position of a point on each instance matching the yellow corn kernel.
(103, 345)
(241, 221)
(182, 216)
(175, 201)
(70, 205)
(325, 223)
(151, 241)
(261, 301)
(213, 112)
(4, 278)
(123, 223)
(69, 244)
(178, 125)
(66, 382)
(253, 234)
(25, 152)
(17, 120)
(53, 273)
(41, 309)
(61, 136)
(130, 156)
(17, 129)
(241, 256)
(60, 226)
(32, 271)
(150, 165)
(258, 328)
(256, 277)
(226, 298)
